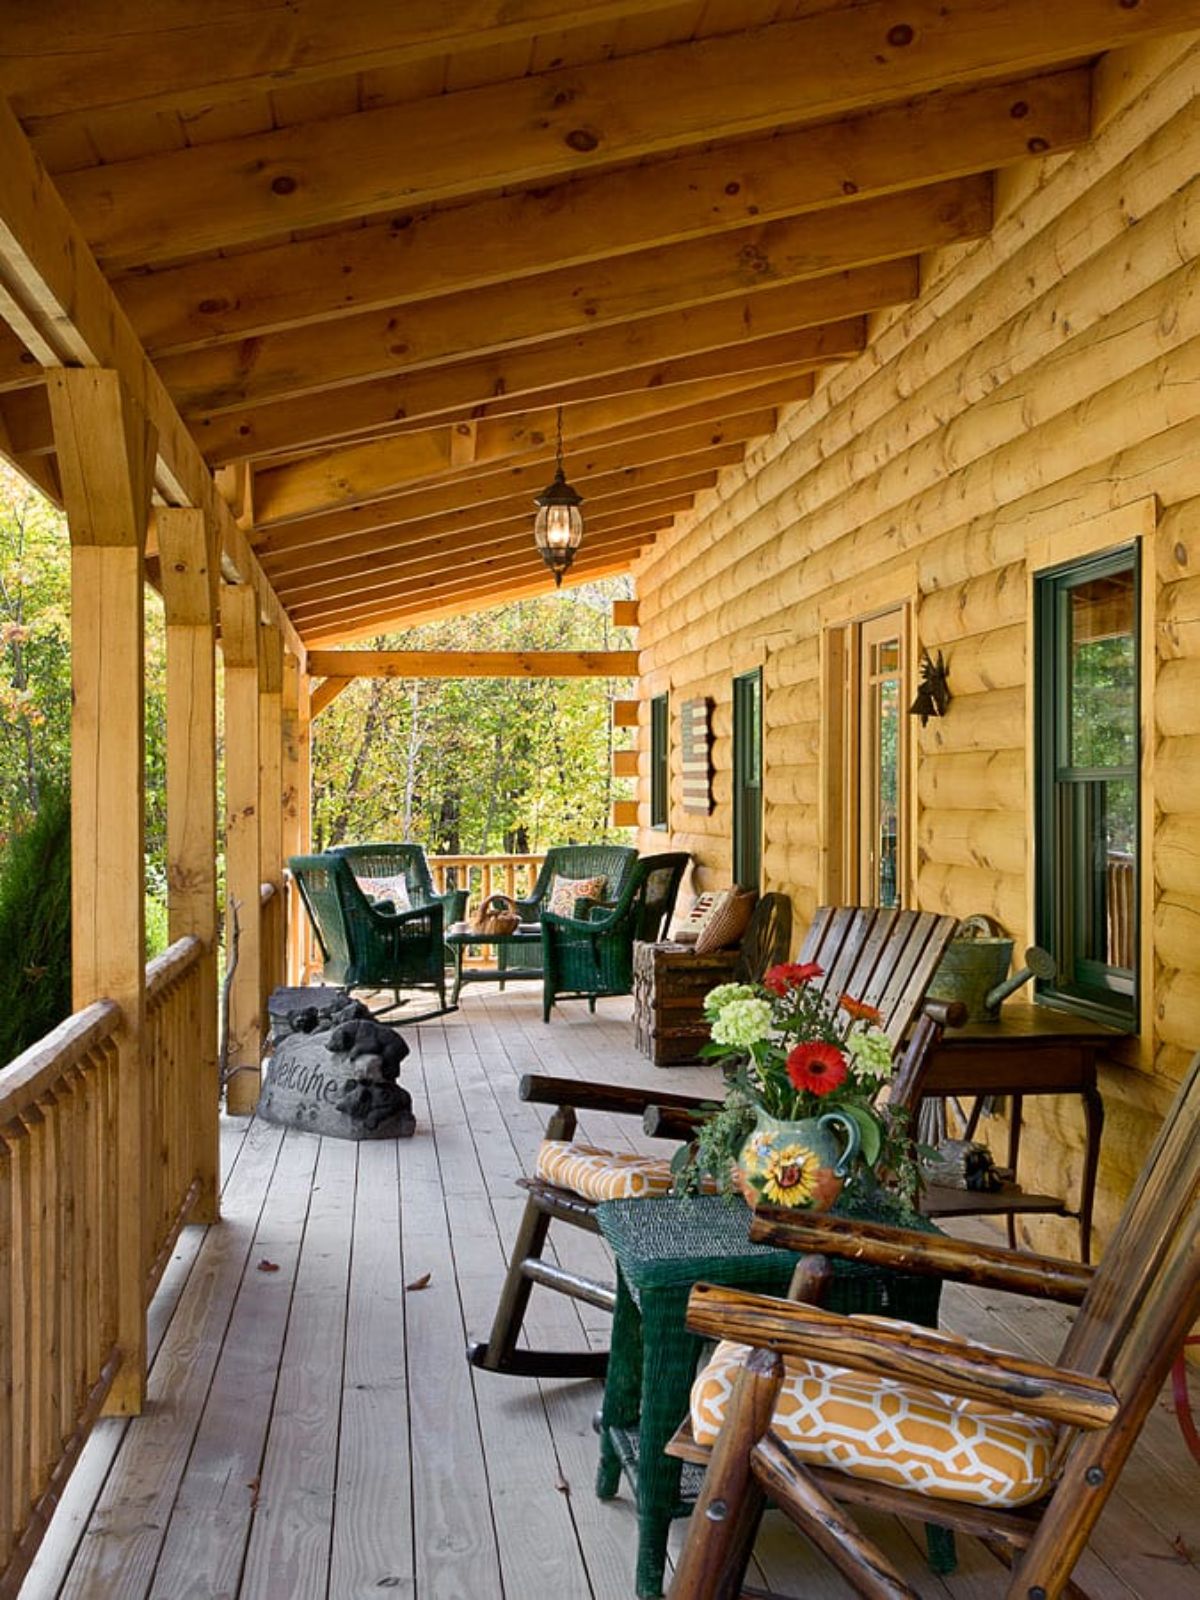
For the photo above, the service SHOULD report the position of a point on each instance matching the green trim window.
(747, 779)
(660, 761)
(1088, 801)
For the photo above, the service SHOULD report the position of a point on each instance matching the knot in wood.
(283, 185)
(900, 35)
(1037, 145)
(582, 139)
(1019, 109)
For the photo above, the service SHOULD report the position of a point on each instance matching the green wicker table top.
(675, 1239)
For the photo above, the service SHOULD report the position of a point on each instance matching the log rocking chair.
(1028, 1451)
(885, 957)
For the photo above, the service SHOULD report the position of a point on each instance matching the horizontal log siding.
(1049, 375)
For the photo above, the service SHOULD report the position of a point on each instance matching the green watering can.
(975, 965)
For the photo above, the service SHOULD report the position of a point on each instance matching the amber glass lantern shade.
(558, 526)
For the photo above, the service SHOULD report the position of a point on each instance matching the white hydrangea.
(719, 997)
(871, 1050)
(741, 1023)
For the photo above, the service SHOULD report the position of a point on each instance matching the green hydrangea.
(742, 1023)
(719, 997)
(872, 1052)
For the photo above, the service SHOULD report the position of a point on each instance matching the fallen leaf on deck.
(420, 1283)
(1181, 1547)
(254, 1485)
(268, 1266)
(562, 1485)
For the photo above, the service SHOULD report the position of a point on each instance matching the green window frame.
(1087, 773)
(747, 779)
(660, 761)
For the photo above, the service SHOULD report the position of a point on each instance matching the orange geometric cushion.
(601, 1174)
(890, 1432)
(566, 891)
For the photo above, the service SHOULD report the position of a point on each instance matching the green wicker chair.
(371, 947)
(593, 956)
(612, 861)
(392, 860)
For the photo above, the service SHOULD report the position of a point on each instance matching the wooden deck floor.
(314, 1431)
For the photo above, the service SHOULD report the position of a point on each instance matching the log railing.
(63, 1190)
(273, 936)
(485, 875)
(58, 1285)
(178, 1100)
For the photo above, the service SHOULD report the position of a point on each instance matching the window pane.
(1102, 668)
(887, 722)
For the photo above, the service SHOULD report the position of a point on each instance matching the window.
(660, 762)
(1086, 616)
(866, 761)
(747, 779)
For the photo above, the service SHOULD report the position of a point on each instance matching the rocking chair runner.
(1136, 1308)
(885, 957)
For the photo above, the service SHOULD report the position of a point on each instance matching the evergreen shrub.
(35, 927)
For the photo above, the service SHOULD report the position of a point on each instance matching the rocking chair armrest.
(585, 1096)
(528, 910)
(931, 1254)
(587, 925)
(389, 921)
(926, 1359)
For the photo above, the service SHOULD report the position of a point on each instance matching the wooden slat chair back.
(1135, 1310)
(885, 957)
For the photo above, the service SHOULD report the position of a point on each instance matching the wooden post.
(270, 797)
(243, 862)
(189, 562)
(106, 455)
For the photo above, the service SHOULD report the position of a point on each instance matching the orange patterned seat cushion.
(601, 1174)
(890, 1432)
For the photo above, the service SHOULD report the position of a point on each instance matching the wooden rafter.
(475, 663)
(435, 253)
(525, 131)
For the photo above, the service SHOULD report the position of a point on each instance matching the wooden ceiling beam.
(171, 56)
(673, 444)
(792, 250)
(435, 253)
(602, 557)
(573, 119)
(375, 470)
(47, 268)
(475, 663)
(504, 384)
(488, 548)
(409, 521)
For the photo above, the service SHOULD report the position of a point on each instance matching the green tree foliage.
(35, 924)
(477, 765)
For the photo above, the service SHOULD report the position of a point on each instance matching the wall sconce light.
(933, 692)
(558, 526)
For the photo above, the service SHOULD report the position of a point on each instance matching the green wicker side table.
(662, 1247)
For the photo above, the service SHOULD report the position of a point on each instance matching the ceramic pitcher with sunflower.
(800, 1163)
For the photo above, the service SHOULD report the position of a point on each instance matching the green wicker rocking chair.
(611, 861)
(593, 956)
(367, 946)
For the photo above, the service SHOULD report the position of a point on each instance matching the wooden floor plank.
(205, 1546)
(372, 1527)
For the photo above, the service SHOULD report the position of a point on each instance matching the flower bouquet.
(801, 1117)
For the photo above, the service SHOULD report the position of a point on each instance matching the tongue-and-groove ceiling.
(370, 247)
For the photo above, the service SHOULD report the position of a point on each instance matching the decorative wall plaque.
(696, 741)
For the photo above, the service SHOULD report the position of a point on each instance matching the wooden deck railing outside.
(481, 876)
(62, 1190)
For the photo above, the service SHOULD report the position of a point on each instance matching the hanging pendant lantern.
(558, 527)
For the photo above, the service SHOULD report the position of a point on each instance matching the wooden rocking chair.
(1136, 1308)
(885, 957)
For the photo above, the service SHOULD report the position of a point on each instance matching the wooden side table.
(1030, 1050)
(670, 982)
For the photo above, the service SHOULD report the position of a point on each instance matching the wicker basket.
(497, 915)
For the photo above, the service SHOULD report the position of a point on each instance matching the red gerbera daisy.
(790, 975)
(860, 1010)
(816, 1066)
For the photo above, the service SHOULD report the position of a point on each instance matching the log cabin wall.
(1042, 397)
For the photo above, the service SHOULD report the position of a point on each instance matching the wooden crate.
(670, 982)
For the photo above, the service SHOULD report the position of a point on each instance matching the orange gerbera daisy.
(816, 1066)
(860, 1010)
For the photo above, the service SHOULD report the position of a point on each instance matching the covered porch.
(857, 364)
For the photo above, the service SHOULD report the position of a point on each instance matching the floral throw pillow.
(392, 891)
(565, 891)
(728, 922)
